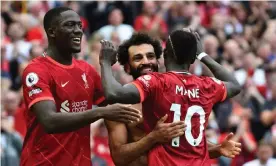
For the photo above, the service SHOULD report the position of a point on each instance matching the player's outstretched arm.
(57, 122)
(124, 153)
(232, 85)
(114, 92)
(228, 148)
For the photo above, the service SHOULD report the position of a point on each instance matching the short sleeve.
(146, 85)
(98, 94)
(36, 84)
(216, 88)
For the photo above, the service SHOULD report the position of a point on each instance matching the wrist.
(219, 149)
(99, 112)
(152, 137)
(201, 55)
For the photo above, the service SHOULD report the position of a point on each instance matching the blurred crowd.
(239, 35)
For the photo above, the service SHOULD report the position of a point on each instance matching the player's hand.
(199, 44)
(121, 113)
(108, 52)
(230, 148)
(165, 132)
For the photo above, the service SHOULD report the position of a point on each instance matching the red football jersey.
(73, 88)
(184, 97)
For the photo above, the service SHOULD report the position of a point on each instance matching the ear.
(51, 32)
(127, 68)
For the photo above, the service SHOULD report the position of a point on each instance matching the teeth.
(76, 39)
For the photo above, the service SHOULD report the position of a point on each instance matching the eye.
(137, 58)
(69, 24)
(80, 25)
(151, 56)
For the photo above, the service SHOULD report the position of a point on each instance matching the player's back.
(183, 97)
(72, 88)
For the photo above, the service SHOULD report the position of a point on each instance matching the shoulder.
(208, 80)
(36, 65)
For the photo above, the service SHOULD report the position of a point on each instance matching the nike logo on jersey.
(63, 85)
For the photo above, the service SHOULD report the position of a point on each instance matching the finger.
(176, 124)
(110, 44)
(176, 134)
(133, 114)
(190, 29)
(236, 153)
(197, 35)
(231, 156)
(130, 118)
(229, 136)
(237, 150)
(238, 144)
(131, 109)
(163, 119)
(177, 128)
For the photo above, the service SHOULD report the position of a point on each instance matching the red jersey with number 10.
(184, 97)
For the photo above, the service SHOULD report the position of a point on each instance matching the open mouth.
(76, 40)
(147, 70)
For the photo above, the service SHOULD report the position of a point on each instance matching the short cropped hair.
(135, 40)
(52, 15)
(184, 46)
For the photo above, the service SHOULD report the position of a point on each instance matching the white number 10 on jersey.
(176, 108)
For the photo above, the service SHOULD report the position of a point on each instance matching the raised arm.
(232, 85)
(113, 90)
(124, 153)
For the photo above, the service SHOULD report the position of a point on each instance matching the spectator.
(116, 26)
(264, 156)
(150, 22)
(11, 142)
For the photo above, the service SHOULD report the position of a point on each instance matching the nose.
(78, 29)
(145, 60)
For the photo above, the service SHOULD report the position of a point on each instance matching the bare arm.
(113, 90)
(124, 153)
(56, 122)
(213, 150)
(232, 85)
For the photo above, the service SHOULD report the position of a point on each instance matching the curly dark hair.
(138, 39)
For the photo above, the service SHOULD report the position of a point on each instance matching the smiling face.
(68, 31)
(142, 60)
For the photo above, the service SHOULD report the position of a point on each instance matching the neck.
(62, 57)
(176, 67)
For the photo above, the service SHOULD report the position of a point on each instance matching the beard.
(137, 72)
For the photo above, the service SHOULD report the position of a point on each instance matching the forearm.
(67, 122)
(127, 153)
(114, 91)
(218, 71)
(110, 85)
(214, 150)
